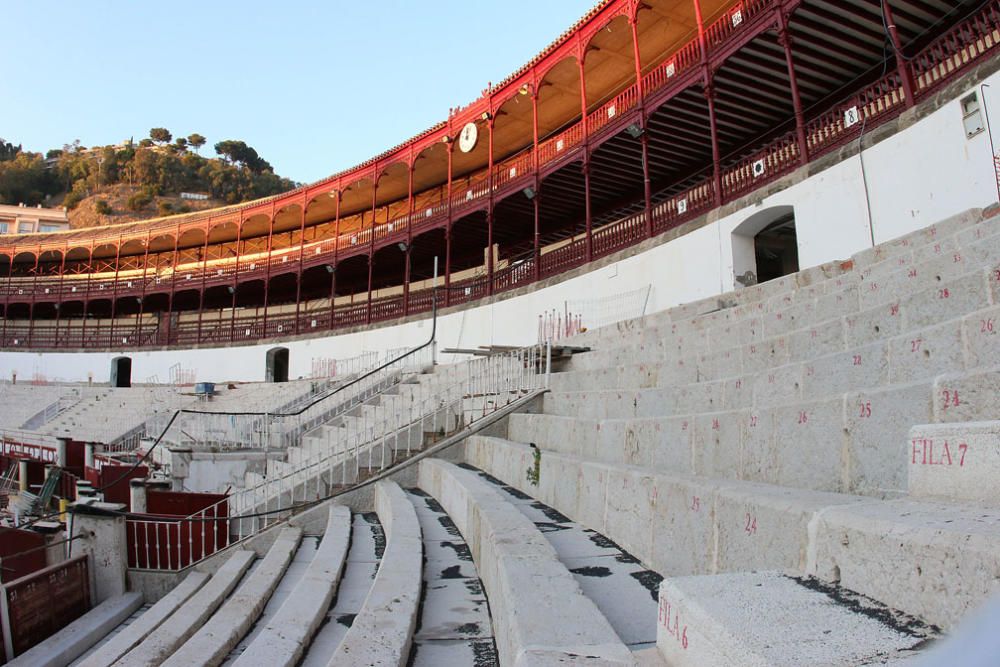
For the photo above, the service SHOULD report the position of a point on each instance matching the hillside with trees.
(134, 181)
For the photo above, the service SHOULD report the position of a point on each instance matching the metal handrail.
(469, 392)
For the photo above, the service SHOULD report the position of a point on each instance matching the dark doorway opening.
(277, 365)
(776, 249)
(121, 372)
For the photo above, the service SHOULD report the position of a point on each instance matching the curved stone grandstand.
(729, 278)
(796, 473)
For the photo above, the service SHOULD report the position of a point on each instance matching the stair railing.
(377, 436)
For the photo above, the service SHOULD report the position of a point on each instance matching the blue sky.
(313, 86)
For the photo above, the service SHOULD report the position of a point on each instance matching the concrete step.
(364, 556)
(150, 620)
(216, 638)
(382, 631)
(286, 635)
(533, 623)
(902, 552)
(455, 626)
(158, 646)
(621, 587)
(768, 619)
(72, 641)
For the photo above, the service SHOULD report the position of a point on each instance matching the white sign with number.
(852, 117)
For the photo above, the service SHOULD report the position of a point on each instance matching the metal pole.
(989, 133)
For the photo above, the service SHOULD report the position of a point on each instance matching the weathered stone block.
(926, 352)
(876, 424)
(857, 368)
(959, 461)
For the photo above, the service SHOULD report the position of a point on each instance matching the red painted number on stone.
(751, 526)
(678, 633)
(894, 310)
(956, 258)
(866, 409)
(715, 424)
(912, 273)
(986, 326)
(803, 417)
(944, 293)
(857, 359)
(924, 452)
(695, 503)
(915, 344)
(950, 399)
(753, 421)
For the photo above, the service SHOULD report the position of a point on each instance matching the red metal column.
(489, 206)
(34, 286)
(302, 249)
(905, 74)
(267, 269)
(536, 204)
(709, 89)
(785, 39)
(236, 277)
(589, 241)
(58, 306)
(447, 229)
(114, 292)
(409, 233)
(173, 284)
(204, 274)
(142, 297)
(86, 296)
(6, 308)
(371, 244)
(336, 253)
(644, 138)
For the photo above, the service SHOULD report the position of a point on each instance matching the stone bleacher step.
(540, 614)
(215, 639)
(183, 623)
(935, 560)
(622, 588)
(455, 626)
(138, 630)
(768, 619)
(73, 640)
(283, 640)
(382, 631)
(367, 546)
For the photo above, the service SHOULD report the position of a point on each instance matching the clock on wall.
(467, 140)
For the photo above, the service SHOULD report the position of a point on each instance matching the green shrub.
(138, 201)
(103, 207)
(72, 200)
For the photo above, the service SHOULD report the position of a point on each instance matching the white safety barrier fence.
(579, 315)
